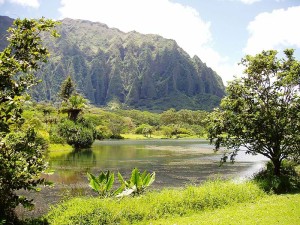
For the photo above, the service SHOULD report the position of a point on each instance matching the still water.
(176, 162)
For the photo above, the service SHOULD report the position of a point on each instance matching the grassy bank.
(154, 206)
(275, 209)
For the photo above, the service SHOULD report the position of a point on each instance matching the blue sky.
(220, 32)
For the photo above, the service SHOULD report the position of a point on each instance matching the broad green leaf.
(136, 178)
(144, 174)
(107, 175)
(152, 179)
(110, 182)
(120, 189)
(146, 180)
(94, 184)
(122, 181)
(101, 177)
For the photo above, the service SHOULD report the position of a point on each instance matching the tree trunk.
(277, 166)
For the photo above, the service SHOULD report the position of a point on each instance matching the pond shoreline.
(177, 163)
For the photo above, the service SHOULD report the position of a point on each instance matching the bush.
(22, 162)
(140, 128)
(153, 205)
(102, 132)
(288, 181)
(79, 134)
(55, 137)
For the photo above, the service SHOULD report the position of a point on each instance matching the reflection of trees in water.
(81, 158)
(178, 165)
(77, 158)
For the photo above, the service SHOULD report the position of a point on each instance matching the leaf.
(122, 181)
(101, 177)
(120, 189)
(94, 183)
(152, 179)
(107, 176)
(146, 180)
(110, 182)
(136, 178)
(144, 174)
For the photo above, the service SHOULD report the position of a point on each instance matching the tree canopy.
(21, 150)
(261, 110)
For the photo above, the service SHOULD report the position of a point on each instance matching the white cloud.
(275, 30)
(249, 2)
(30, 3)
(1, 2)
(168, 19)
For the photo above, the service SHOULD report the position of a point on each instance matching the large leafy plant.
(103, 183)
(137, 184)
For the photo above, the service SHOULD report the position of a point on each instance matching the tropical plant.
(137, 184)
(73, 106)
(102, 184)
(261, 110)
(73, 103)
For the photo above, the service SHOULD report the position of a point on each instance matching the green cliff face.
(139, 71)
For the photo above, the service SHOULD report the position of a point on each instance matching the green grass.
(157, 136)
(275, 209)
(56, 150)
(60, 147)
(155, 205)
(140, 136)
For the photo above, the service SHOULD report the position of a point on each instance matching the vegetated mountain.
(139, 71)
(5, 23)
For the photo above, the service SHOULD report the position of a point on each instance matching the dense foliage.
(140, 71)
(261, 110)
(21, 150)
(79, 134)
(287, 182)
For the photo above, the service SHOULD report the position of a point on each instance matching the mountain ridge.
(137, 70)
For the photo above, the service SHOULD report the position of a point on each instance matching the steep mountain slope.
(139, 71)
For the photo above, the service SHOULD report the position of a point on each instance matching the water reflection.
(176, 162)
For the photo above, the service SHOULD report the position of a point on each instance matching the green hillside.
(138, 71)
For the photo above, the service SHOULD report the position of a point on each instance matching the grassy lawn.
(274, 209)
(56, 150)
(155, 136)
(155, 205)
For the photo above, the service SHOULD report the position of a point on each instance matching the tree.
(21, 150)
(73, 103)
(67, 88)
(261, 110)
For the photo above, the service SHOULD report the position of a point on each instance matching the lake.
(177, 162)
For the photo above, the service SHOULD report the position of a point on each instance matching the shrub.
(102, 132)
(22, 162)
(55, 137)
(288, 181)
(79, 134)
